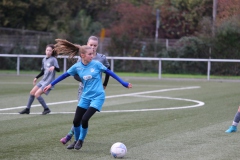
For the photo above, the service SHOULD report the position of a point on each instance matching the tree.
(181, 17)
(227, 9)
(11, 12)
(40, 15)
(81, 27)
(133, 21)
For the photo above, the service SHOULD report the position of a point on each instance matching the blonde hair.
(65, 47)
(93, 38)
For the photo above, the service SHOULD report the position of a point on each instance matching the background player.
(49, 67)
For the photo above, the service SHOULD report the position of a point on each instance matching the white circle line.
(138, 94)
(199, 104)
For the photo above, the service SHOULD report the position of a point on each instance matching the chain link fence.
(29, 40)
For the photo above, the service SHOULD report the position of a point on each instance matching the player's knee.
(36, 95)
(32, 93)
(76, 123)
(84, 123)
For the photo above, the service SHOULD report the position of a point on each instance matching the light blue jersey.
(101, 58)
(90, 75)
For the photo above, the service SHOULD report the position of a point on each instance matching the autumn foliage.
(227, 9)
(134, 21)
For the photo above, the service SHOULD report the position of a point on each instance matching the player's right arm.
(38, 76)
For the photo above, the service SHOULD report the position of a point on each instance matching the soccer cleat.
(25, 111)
(231, 129)
(71, 146)
(46, 111)
(78, 145)
(65, 139)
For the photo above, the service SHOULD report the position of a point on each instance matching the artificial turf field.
(156, 120)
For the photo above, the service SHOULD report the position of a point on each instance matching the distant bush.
(226, 45)
(188, 47)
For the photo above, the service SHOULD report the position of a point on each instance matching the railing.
(160, 60)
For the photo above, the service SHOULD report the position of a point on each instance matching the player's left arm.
(112, 74)
(54, 68)
(57, 69)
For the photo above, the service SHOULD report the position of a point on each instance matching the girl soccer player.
(93, 95)
(92, 42)
(49, 67)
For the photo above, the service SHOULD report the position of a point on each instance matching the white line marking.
(39, 113)
(37, 105)
(137, 94)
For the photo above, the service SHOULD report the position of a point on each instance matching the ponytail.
(65, 47)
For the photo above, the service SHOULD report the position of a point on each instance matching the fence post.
(167, 44)
(64, 65)
(160, 69)
(208, 69)
(112, 64)
(18, 65)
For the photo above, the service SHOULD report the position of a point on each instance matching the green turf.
(170, 134)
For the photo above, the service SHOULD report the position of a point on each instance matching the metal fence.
(27, 39)
(30, 40)
(137, 59)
